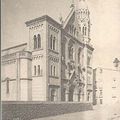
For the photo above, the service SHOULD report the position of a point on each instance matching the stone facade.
(60, 66)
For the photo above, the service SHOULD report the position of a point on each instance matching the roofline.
(68, 17)
(42, 18)
(14, 47)
(105, 69)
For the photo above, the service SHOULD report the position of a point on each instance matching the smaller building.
(16, 74)
(106, 84)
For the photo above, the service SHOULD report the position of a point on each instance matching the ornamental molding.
(7, 62)
(53, 28)
(53, 58)
(37, 57)
(36, 26)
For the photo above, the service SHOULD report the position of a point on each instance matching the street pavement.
(103, 112)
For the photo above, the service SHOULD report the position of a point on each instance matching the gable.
(71, 25)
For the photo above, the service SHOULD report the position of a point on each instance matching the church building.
(56, 63)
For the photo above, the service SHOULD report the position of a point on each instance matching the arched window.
(51, 40)
(85, 30)
(7, 86)
(54, 43)
(70, 49)
(51, 72)
(54, 71)
(39, 41)
(34, 70)
(35, 42)
(38, 69)
(79, 54)
(75, 31)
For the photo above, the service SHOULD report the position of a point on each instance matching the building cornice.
(43, 18)
(14, 47)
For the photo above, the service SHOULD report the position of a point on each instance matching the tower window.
(54, 43)
(51, 70)
(38, 69)
(51, 40)
(35, 42)
(54, 70)
(7, 88)
(70, 49)
(85, 30)
(34, 70)
(79, 54)
(39, 41)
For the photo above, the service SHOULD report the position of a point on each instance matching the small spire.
(61, 19)
(72, 5)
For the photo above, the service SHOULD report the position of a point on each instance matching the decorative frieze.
(12, 61)
(9, 56)
(53, 28)
(36, 26)
(53, 58)
(37, 57)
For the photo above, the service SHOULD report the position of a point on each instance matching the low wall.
(33, 110)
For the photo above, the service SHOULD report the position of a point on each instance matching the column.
(85, 73)
(18, 77)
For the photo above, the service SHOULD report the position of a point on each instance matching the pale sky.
(105, 19)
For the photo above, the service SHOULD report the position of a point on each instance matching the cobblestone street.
(98, 113)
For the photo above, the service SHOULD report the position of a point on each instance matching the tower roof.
(82, 4)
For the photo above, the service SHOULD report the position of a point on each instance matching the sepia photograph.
(60, 59)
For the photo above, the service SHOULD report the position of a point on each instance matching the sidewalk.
(98, 113)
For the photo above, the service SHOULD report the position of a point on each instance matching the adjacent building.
(56, 63)
(106, 84)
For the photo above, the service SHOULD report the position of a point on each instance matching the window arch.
(39, 41)
(35, 42)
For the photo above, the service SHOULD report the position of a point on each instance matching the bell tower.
(83, 17)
